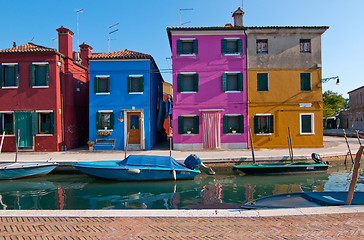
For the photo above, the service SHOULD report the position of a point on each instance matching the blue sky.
(142, 26)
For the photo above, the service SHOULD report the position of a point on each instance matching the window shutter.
(31, 75)
(17, 75)
(180, 125)
(1, 76)
(256, 119)
(98, 120)
(306, 123)
(112, 115)
(48, 77)
(108, 84)
(305, 81)
(223, 46)
(224, 82)
(180, 82)
(270, 124)
(196, 125)
(241, 124)
(52, 121)
(195, 46)
(142, 84)
(262, 81)
(195, 82)
(129, 83)
(179, 46)
(240, 82)
(96, 85)
(225, 121)
(35, 123)
(1, 124)
(240, 45)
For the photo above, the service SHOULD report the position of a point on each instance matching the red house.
(44, 96)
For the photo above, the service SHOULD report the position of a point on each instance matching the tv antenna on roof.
(53, 41)
(78, 33)
(112, 32)
(180, 15)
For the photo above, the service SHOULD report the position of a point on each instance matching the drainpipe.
(62, 116)
(247, 85)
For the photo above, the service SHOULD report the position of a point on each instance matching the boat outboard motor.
(194, 162)
(318, 159)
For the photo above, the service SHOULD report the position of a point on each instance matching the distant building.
(353, 118)
(168, 100)
(126, 99)
(44, 96)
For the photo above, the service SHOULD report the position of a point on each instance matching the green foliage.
(334, 103)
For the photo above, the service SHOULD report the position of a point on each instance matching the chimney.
(238, 18)
(86, 52)
(65, 41)
(14, 44)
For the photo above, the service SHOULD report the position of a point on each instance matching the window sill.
(233, 134)
(10, 87)
(44, 135)
(187, 56)
(263, 134)
(189, 134)
(136, 93)
(107, 130)
(103, 93)
(233, 91)
(231, 54)
(40, 86)
(187, 92)
(307, 133)
(9, 135)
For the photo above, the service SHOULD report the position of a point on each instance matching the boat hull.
(25, 170)
(282, 168)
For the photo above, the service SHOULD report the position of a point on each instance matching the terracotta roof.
(28, 48)
(227, 27)
(123, 54)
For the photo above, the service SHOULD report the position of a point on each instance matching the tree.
(334, 103)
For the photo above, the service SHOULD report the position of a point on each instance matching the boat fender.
(316, 158)
(174, 175)
(134, 170)
(192, 161)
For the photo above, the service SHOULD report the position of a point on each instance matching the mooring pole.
(290, 143)
(354, 178)
(17, 146)
(170, 146)
(126, 146)
(347, 143)
(357, 135)
(2, 141)
(251, 144)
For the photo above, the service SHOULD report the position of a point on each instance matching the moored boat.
(25, 169)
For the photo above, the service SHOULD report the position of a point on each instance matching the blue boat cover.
(152, 161)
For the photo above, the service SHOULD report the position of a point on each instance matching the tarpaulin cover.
(152, 161)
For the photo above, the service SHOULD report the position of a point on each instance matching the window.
(104, 120)
(361, 97)
(188, 123)
(187, 46)
(9, 75)
(233, 123)
(39, 75)
(102, 84)
(45, 122)
(231, 46)
(262, 82)
(307, 123)
(263, 124)
(305, 45)
(262, 46)
(306, 82)
(232, 82)
(136, 84)
(7, 123)
(187, 82)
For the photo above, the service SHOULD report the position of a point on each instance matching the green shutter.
(179, 46)
(1, 76)
(31, 75)
(96, 85)
(241, 124)
(98, 120)
(270, 124)
(240, 81)
(305, 81)
(129, 83)
(48, 73)
(180, 82)
(195, 46)
(225, 121)
(112, 115)
(240, 45)
(52, 122)
(108, 84)
(17, 75)
(1, 124)
(35, 123)
(224, 82)
(180, 125)
(223, 46)
(195, 82)
(142, 84)
(306, 123)
(262, 81)
(196, 125)
(256, 129)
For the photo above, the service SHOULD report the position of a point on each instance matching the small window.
(188, 124)
(135, 84)
(263, 124)
(361, 97)
(305, 45)
(187, 46)
(231, 46)
(307, 123)
(233, 124)
(39, 75)
(46, 123)
(306, 82)
(104, 120)
(7, 123)
(9, 75)
(262, 82)
(134, 122)
(262, 46)
(102, 84)
(232, 82)
(187, 82)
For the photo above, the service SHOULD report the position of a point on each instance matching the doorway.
(23, 126)
(134, 129)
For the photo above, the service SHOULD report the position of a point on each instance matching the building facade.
(126, 99)
(43, 96)
(353, 118)
(285, 86)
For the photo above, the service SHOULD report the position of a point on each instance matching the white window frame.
(187, 40)
(107, 130)
(312, 123)
(262, 115)
(188, 73)
(232, 54)
(10, 87)
(39, 122)
(2, 122)
(136, 76)
(103, 76)
(41, 64)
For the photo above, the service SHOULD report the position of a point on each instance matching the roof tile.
(123, 54)
(28, 48)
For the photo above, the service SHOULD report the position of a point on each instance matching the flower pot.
(189, 132)
(91, 148)
(233, 131)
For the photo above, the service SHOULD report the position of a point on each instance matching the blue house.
(126, 99)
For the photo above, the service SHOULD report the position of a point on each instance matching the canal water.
(225, 190)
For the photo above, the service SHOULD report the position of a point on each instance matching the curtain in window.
(211, 129)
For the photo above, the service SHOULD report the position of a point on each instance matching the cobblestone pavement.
(327, 226)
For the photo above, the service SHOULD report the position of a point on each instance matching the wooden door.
(134, 127)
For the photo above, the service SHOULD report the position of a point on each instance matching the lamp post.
(325, 80)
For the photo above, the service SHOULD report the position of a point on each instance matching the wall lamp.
(325, 80)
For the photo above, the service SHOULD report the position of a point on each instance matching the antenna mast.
(112, 32)
(78, 33)
(180, 15)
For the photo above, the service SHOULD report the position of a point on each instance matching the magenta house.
(209, 86)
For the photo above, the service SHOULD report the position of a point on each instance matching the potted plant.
(90, 145)
(189, 130)
(233, 130)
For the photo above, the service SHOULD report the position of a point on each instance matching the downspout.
(151, 106)
(247, 85)
(62, 116)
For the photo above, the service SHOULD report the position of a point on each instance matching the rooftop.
(28, 48)
(123, 54)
